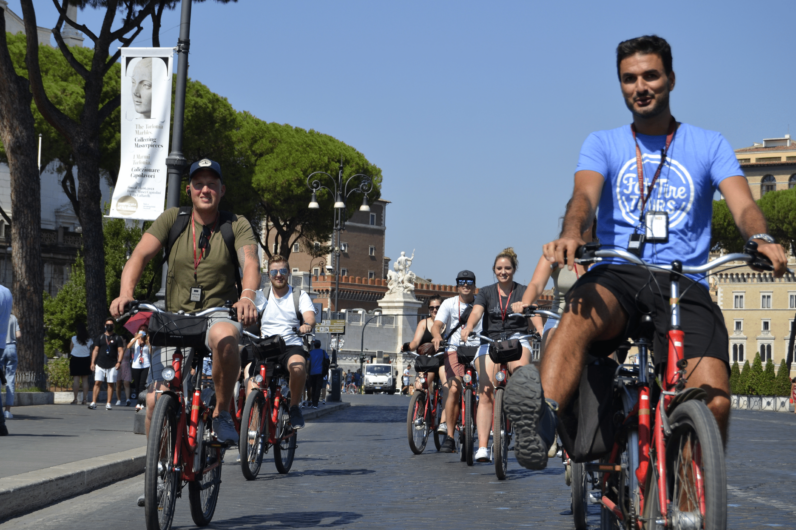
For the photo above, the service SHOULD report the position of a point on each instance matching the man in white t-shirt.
(280, 318)
(453, 315)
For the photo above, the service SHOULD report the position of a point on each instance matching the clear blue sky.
(476, 111)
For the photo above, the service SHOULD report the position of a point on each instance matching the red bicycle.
(467, 430)
(425, 407)
(666, 469)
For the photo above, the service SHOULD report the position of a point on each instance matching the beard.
(660, 104)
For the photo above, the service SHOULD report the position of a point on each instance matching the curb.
(25, 493)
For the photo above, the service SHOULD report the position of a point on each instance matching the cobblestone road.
(354, 470)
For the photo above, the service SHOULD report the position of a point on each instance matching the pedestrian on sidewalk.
(405, 380)
(125, 376)
(5, 313)
(105, 361)
(80, 361)
(140, 349)
(318, 366)
(8, 359)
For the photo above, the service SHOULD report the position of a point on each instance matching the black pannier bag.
(268, 348)
(505, 351)
(427, 363)
(466, 354)
(170, 329)
(588, 426)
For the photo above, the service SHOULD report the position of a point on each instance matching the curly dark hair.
(645, 45)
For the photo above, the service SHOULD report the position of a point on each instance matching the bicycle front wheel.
(438, 437)
(253, 433)
(500, 437)
(160, 481)
(580, 495)
(695, 469)
(203, 492)
(416, 424)
(285, 446)
(469, 428)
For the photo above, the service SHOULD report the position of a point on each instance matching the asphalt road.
(354, 469)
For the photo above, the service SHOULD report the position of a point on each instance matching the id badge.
(196, 294)
(657, 227)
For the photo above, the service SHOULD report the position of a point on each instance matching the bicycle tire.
(651, 503)
(694, 427)
(284, 450)
(253, 435)
(438, 438)
(418, 438)
(500, 437)
(203, 492)
(159, 507)
(469, 429)
(580, 495)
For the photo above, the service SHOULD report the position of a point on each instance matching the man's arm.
(309, 321)
(436, 332)
(579, 216)
(121, 355)
(145, 250)
(750, 220)
(94, 356)
(250, 263)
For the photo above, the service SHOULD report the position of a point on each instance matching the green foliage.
(779, 209)
(735, 376)
(743, 381)
(767, 380)
(724, 233)
(782, 382)
(755, 381)
(58, 373)
(119, 241)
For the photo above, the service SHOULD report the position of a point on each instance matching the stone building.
(769, 166)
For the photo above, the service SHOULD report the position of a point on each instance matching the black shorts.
(700, 319)
(277, 363)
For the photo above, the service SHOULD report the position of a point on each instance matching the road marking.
(761, 500)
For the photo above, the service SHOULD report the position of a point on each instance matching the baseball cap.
(205, 163)
(466, 275)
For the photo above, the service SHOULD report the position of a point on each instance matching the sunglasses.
(465, 282)
(433, 308)
(204, 239)
(277, 272)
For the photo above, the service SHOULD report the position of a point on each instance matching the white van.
(379, 378)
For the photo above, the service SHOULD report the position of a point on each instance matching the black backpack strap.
(225, 227)
(179, 226)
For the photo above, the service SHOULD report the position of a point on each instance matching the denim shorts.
(484, 348)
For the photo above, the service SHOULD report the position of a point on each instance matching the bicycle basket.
(171, 329)
(427, 363)
(466, 354)
(268, 348)
(505, 351)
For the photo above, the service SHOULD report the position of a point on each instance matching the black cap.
(465, 275)
(205, 163)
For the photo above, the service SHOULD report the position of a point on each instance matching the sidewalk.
(54, 452)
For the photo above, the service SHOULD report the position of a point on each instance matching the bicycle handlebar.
(135, 306)
(418, 355)
(532, 310)
(521, 337)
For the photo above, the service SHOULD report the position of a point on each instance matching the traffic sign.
(331, 326)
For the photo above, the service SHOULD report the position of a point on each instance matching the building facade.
(770, 165)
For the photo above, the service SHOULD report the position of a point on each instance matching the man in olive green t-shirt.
(200, 260)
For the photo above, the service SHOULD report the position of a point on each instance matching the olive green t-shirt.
(215, 273)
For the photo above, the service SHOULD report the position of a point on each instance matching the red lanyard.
(503, 312)
(196, 262)
(640, 166)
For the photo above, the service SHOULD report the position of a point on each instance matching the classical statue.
(401, 280)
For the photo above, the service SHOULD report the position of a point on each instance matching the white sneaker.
(118, 402)
(482, 455)
(8, 415)
(107, 406)
(443, 428)
(553, 449)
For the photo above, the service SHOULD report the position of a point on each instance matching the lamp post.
(342, 188)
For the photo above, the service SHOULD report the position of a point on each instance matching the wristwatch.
(764, 237)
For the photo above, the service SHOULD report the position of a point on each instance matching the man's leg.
(223, 340)
(710, 374)
(151, 397)
(97, 388)
(298, 378)
(453, 404)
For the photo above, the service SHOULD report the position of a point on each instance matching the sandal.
(74, 402)
(84, 402)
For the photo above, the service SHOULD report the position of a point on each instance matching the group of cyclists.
(646, 187)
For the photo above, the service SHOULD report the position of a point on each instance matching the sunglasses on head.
(277, 272)
(465, 282)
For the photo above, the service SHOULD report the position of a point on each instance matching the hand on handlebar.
(304, 329)
(246, 311)
(775, 253)
(518, 307)
(436, 342)
(119, 306)
(563, 249)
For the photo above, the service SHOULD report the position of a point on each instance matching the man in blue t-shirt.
(317, 373)
(682, 166)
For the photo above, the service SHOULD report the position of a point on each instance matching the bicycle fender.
(689, 394)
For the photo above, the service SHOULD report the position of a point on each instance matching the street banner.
(140, 191)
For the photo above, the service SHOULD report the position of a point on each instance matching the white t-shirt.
(81, 350)
(279, 316)
(448, 314)
(140, 356)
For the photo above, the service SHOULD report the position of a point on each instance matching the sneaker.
(141, 501)
(448, 445)
(551, 453)
(315, 406)
(323, 402)
(108, 406)
(443, 428)
(296, 417)
(224, 428)
(118, 402)
(482, 455)
(8, 415)
(533, 418)
(93, 406)
(127, 404)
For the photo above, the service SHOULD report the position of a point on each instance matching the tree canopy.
(779, 209)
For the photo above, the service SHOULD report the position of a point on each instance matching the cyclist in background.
(657, 178)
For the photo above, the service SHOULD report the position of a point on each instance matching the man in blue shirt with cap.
(317, 358)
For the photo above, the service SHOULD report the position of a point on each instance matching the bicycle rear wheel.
(469, 428)
(500, 437)
(203, 492)
(417, 428)
(160, 482)
(253, 433)
(695, 469)
(438, 438)
(284, 448)
(580, 495)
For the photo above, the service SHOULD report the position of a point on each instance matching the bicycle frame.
(270, 414)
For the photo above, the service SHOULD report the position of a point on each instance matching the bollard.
(337, 375)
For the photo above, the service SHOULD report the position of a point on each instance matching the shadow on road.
(367, 414)
(290, 520)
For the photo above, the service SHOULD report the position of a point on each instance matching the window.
(765, 301)
(766, 325)
(769, 183)
(343, 247)
(371, 250)
(296, 247)
(739, 325)
(791, 300)
(316, 245)
(316, 271)
(371, 275)
(740, 353)
(372, 219)
(738, 301)
(765, 352)
(343, 272)
(295, 270)
(735, 353)
(2, 230)
(744, 160)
